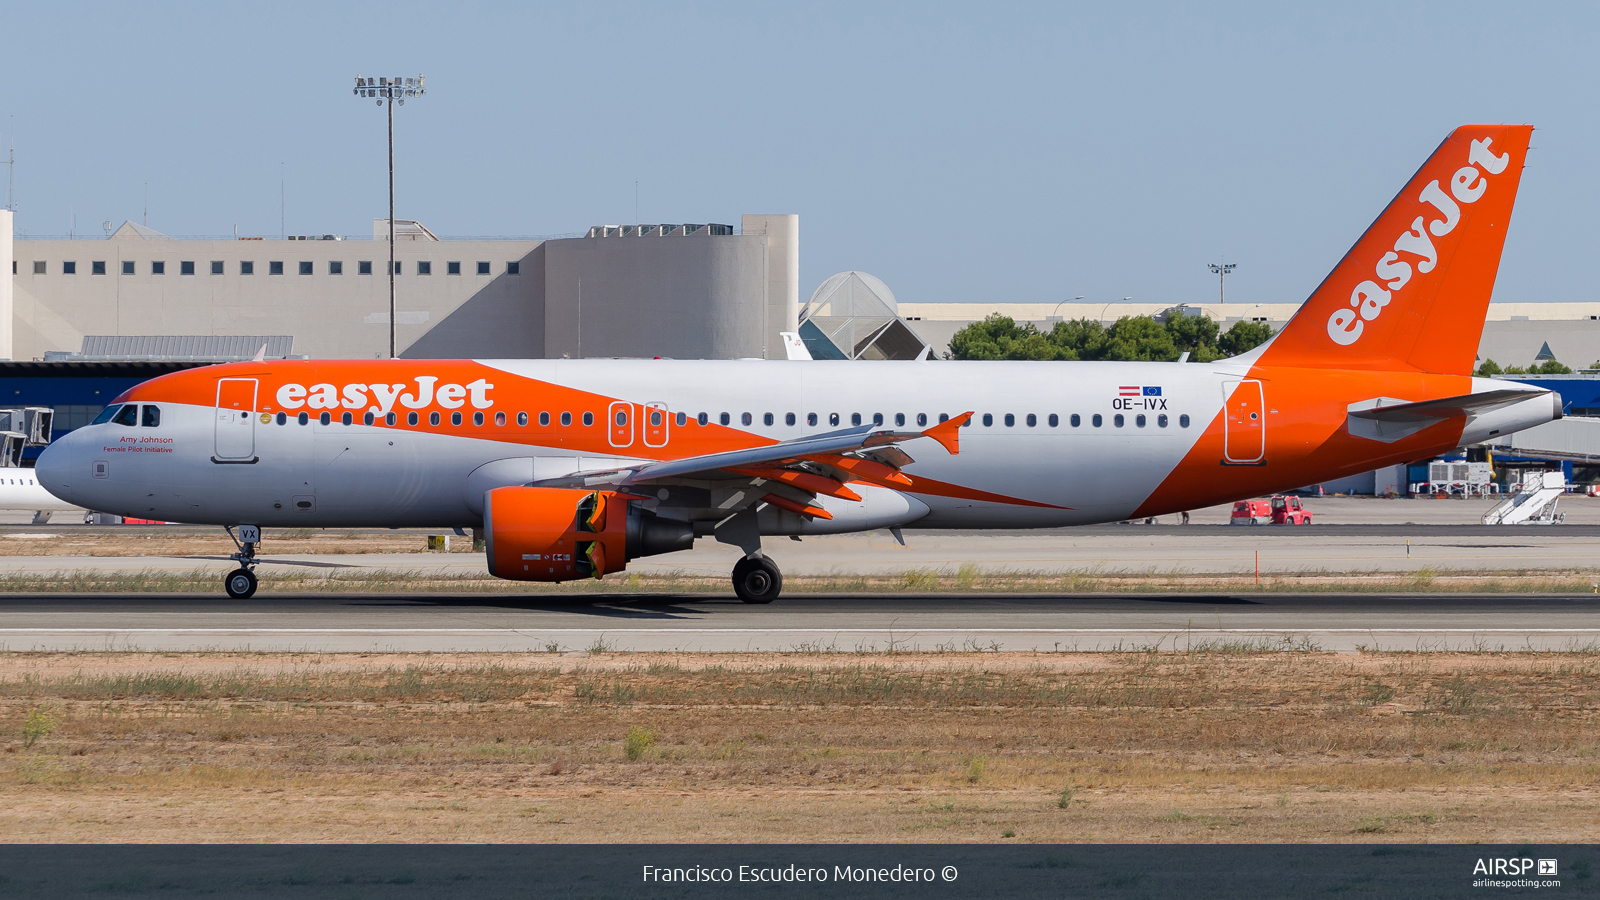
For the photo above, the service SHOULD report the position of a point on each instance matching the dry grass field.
(1226, 745)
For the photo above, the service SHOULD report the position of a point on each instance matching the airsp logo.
(1512, 866)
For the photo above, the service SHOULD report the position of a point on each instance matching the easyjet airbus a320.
(573, 468)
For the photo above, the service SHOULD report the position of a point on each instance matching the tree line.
(1129, 338)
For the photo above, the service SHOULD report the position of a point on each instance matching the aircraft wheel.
(757, 580)
(240, 584)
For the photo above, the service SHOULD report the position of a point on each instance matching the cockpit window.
(105, 415)
(129, 415)
(152, 417)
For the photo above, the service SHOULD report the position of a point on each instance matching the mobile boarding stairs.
(1534, 504)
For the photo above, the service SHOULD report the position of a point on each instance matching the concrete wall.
(783, 274)
(693, 296)
(331, 316)
(684, 296)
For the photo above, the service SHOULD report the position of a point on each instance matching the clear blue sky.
(961, 152)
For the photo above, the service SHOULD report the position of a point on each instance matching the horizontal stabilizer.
(1388, 409)
(1388, 420)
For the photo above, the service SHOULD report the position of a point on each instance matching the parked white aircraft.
(20, 490)
(573, 468)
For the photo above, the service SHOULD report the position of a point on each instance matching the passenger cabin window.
(1118, 420)
(877, 418)
(152, 417)
(1011, 420)
(745, 419)
(833, 418)
(1161, 420)
(1183, 421)
(811, 418)
(389, 418)
(899, 418)
(683, 419)
(1032, 420)
(303, 418)
(1076, 420)
(411, 418)
(433, 418)
(588, 418)
(128, 416)
(347, 419)
(455, 418)
(1097, 421)
(922, 418)
(500, 418)
(477, 418)
(105, 415)
(703, 418)
(325, 418)
(1139, 420)
(368, 418)
(283, 418)
(855, 418)
(1054, 420)
(724, 418)
(766, 419)
(944, 417)
(566, 418)
(988, 420)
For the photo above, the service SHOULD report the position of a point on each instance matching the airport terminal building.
(685, 291)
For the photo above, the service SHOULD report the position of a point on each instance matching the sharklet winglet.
(948, 432)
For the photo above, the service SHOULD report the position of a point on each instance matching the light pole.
(391, 90)
(1055, 314)
(1222, 270)
(1108, 306)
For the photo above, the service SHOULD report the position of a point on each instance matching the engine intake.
(559, 534)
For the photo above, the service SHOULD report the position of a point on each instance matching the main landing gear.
(241, 582)
(757, 580)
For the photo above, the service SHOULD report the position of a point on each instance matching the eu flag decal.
(1152, 391)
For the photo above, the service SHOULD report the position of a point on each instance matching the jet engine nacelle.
(559, 534)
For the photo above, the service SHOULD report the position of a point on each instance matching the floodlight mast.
(1222, 271)
(391, 90)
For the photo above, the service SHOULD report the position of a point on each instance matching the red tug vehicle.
(1282, 509)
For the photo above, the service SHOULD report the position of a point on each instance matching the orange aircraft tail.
(1412, 294)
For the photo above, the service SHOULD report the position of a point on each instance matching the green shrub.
(637, 742)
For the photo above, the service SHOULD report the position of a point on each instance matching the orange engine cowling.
(559, 534)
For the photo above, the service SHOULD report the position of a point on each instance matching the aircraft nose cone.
(54, 468)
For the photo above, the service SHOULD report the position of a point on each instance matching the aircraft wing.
(793, 472)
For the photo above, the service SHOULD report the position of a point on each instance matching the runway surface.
(814, 622)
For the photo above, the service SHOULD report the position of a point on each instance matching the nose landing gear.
(241, 582)
(757, 580)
